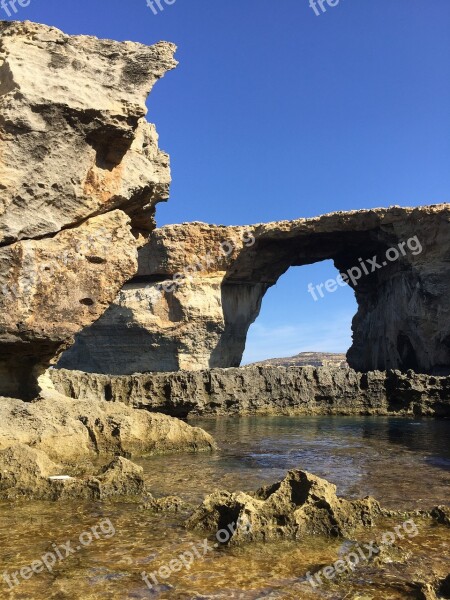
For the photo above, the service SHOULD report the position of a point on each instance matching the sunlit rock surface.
(301, 504)
(80, 175)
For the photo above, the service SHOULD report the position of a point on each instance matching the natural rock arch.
(403, 320)
(80, 176)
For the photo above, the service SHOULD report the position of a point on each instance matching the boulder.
(121, 477)
(28, 473)
(25, 472)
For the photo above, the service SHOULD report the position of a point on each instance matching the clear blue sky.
(275, 113)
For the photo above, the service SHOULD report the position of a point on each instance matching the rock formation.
(199, 287)
(79, 432)
(80, 175)
(266, 390)
(301, 504)
(27, 473)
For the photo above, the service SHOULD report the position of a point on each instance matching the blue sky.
(275, 113)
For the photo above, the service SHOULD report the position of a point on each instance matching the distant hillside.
(315, 359)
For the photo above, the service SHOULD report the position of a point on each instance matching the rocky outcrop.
(266, 390)
(75, 142)
(301, 504)
(199, 287)
(52, 288)
(50, 449)
(28, 473)
(25, 471)
(80, 175)
(167, 504)
(78, 432)
(121, 477)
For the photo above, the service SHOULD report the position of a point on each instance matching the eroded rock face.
(80, 172)
(200, 322)
(266, 390)
(301, 504)
(52, 288)
(75, 141)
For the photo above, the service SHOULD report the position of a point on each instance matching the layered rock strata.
(199, 287)
(266, 390)
(80, 175)
(50, 449)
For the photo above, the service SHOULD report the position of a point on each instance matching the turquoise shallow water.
(403, 463)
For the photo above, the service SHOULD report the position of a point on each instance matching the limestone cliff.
(75, 141)
(199, 287)
(80, 174)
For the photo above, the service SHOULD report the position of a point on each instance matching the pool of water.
(403, 463)
(399, 461)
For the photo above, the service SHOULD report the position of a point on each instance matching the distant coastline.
(305, 359)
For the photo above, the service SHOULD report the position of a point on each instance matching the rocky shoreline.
(266, 390)
(56, 448)
(88, 282)
(80, 421)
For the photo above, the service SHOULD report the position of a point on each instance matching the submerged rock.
(441, 514)
(172, 504)
(299, 505)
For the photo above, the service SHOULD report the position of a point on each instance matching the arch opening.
(300, 315)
